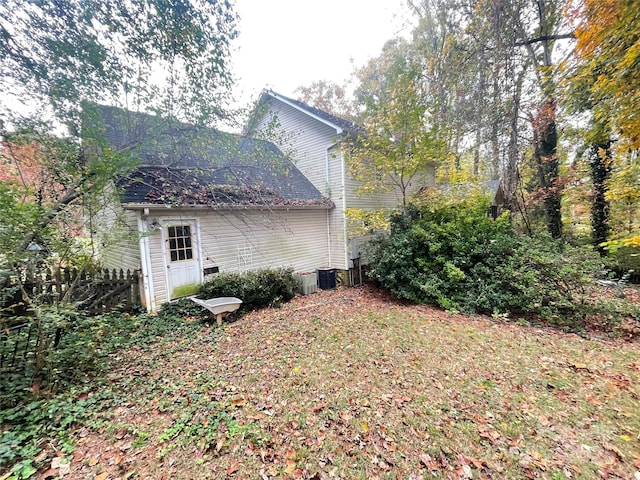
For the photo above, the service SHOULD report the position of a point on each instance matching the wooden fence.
(96, 292)
(20, 343)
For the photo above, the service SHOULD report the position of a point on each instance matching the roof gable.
(339, 124)
(183, 164)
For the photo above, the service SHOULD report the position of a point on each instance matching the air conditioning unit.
(307, 282)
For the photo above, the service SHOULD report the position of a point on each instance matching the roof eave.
(339, 130)
(157, 206)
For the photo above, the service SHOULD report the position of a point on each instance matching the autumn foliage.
(608, 43)
(24, 165)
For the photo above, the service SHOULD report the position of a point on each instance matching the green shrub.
(547, 278)
(624, 259)
(443, 254)
(454, 256)
(36, 413)
(257, 289)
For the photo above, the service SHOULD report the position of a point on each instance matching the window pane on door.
(180, 243)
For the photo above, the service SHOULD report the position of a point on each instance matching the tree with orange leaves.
(608, 45)
(606, 81)
(25, 166)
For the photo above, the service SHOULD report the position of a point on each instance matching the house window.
(180, 246)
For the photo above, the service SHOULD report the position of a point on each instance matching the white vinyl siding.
(118, 230)
(241, 240)
(374, 201)
(360, 244)
(314, 148)
(387, 199)
(303, 139)
(337, 221)
(370, 201)
(249, 240)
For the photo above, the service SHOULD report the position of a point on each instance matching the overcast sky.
(284, 44)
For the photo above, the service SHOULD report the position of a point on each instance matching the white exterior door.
(182, 258)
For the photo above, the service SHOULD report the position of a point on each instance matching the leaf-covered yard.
(350, 384)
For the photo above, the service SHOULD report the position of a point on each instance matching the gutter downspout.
(327, 158)
(344, 212)
(145, 264)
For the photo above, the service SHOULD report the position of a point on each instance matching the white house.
(202, 201)
(314, 139)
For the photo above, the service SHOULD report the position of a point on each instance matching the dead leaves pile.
(351, 384)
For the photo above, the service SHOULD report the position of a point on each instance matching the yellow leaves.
(596, 20)
(363, 221)
(290, 466)
(632, 241)
(630, 56)
(614, 245)
(608, 42)
(364, 426)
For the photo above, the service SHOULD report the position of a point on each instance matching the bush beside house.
(257, 289)
(453, 255)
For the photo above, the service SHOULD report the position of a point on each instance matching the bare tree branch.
(545, 38)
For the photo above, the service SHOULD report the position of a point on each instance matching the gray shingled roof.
(182, 164)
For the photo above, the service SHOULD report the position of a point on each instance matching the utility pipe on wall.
(329, 193)
(145, 262)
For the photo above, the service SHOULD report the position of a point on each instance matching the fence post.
(110, 287)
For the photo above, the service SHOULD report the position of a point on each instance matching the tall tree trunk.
(496, 122)
(546, 157)
(600, 162)
(510, 175)
(476, 154)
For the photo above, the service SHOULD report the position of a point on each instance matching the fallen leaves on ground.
(351, 384)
